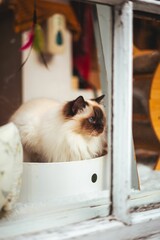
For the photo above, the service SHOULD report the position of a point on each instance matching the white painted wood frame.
(122, 109)
(128, 206)
(145, 205)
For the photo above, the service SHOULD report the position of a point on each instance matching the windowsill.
(144, 224)
(99, 228)
(28, 218)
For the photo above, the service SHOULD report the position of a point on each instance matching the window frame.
(122, 109)
(128, 206)
(124, 202)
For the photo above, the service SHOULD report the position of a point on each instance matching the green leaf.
(38, 42)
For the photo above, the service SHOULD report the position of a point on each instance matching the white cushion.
(11, 165)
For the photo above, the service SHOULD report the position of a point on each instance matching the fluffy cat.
(60, 132)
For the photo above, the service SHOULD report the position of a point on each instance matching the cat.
(58, 132)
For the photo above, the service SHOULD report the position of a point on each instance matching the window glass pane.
(146, 99)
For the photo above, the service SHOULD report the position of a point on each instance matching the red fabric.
(82, 51)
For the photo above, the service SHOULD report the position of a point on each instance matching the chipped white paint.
(122, 110)
(139, 198)
(123, 200)
(34, 217)
(101, 229)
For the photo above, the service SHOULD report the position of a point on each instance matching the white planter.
(46, 181)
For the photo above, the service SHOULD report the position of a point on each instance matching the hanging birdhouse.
(56, 30)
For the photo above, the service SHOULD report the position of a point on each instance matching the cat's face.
(87, 117)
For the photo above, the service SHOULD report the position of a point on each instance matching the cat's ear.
(78, 104)
(99, 99)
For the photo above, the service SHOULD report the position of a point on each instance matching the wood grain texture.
(106, 2)
(122, 110)
(35, 217)
(157, 167)
(149, 6)
(146, 99)
(154, 103)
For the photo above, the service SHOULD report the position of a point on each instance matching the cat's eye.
(91, 120)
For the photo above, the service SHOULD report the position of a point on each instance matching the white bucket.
(47, 181)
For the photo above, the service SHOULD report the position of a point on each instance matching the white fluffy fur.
(43, 130)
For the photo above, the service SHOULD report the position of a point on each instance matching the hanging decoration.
(56, 28)
(35, 38)
(23, 14)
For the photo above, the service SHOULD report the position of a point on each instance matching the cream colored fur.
(44, 130)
